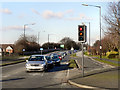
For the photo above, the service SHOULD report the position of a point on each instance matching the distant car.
(60, 57)
(55, 59)
(36, 63)
(49, 62)
(62, 54)
(70, 52)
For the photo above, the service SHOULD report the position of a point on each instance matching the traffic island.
(72, 64)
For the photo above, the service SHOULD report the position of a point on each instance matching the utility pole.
(38, 37)
(48, 41)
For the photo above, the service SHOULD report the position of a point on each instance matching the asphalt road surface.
(15, 76)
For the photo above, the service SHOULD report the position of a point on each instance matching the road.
(15, 76)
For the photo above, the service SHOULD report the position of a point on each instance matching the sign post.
(41, 49)
(23, 51)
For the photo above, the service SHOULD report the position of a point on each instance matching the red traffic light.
(80, 29)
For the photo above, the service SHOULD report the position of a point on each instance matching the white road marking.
(13, 72)
(68, 71)
(42, 74)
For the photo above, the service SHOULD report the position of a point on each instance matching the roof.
(4, 46)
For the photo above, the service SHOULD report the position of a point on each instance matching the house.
(7, 48)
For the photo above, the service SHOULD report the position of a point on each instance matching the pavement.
(104, 78)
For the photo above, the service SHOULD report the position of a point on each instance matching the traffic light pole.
(82, 61)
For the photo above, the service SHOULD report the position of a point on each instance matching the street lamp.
(48, 39)
(25, 27)
(100, 25)
(24, 34)
(39, 36)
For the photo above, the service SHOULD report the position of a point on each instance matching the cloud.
(69, 11)
(22, 15)
(14, 28)
(50, 14)
(36, 12)
(6, 11)
(80, 17)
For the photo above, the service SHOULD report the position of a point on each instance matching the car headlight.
(27, 64)
(42, 65)
(58, 61)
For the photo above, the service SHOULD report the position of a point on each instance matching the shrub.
(111, 54)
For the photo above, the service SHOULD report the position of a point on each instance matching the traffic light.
(82, 32)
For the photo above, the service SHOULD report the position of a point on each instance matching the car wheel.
(45, 68)
(27, 71)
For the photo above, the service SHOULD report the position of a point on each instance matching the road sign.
(72, 48)
(62, 46)
(41, 49)
(23, 50)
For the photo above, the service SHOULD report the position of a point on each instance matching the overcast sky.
(59, 19)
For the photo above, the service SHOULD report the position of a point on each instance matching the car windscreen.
(54, 57)
(48, 58)
(36, 58)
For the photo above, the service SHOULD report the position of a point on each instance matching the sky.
(58, 19)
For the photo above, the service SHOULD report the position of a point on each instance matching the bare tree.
(27, 43)
(112, 20)
(32, 38)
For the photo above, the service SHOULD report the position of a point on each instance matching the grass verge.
(15, 62)
(104, 61)
(111, 63)
(72, 64)
(10, 57)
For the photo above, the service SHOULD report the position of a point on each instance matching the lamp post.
(39, 36)
(24, 34)
(100, 25)
(25, 27)
(48, 39)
